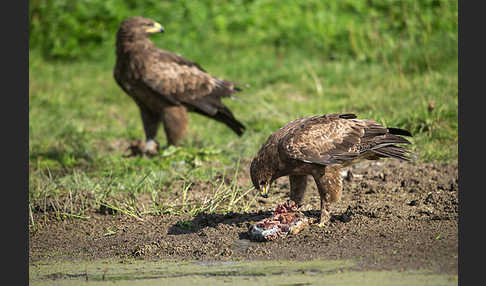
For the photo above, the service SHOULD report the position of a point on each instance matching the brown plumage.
(165, 86)
(320, 146)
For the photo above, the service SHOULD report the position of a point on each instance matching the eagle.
(165, 86)
(319, 146)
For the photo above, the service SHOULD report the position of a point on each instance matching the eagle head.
(137, 26)
(261, 176)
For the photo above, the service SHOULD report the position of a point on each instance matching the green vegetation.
(393, 61)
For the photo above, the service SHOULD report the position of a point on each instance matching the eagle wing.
(166, 56)
(180, 81)
(341, 138)
(324, 140)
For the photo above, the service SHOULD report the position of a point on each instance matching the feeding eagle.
(320, 146)
(165, 86)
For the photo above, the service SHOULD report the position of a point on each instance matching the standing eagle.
(320, 146)
(165, 86)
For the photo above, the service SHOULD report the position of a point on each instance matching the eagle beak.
(156, 28)
(264, 192)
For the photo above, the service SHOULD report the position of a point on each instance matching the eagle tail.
(386, 146)
(398, 131)
(225, 116)
(212, 107)
(393, 151)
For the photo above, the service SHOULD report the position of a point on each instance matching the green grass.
(79, 119)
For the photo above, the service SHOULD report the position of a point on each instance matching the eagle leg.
(175, 120)
(151, 122)
(298, 185)
(330, 185)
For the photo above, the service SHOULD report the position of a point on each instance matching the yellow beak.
(264, 192)
(157, 28)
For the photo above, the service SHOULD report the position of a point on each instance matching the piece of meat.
(285, 220)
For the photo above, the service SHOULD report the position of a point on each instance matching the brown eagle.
(319, 146)
(165, 86)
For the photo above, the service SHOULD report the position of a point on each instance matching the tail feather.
(385, 146)
(389, 138)
(398, 131)
(212, 107)
(225, 116)
(394, 152)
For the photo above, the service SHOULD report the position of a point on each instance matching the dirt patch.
(392, 215)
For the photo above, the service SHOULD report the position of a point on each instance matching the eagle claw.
(141, 148)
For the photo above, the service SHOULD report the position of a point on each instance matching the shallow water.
(317, 272)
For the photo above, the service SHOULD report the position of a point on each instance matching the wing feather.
(340, 138)
(188, 85)
(324, 140)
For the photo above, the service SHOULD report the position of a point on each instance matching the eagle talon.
(141, 148)
(151, 147)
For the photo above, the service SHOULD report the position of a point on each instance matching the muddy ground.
(393, 215)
